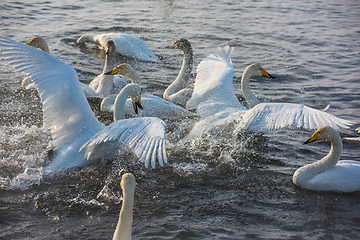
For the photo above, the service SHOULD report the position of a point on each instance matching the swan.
(78, 136)
(123, 228)
(104, 85)
(126, 45)
(178, 92)
(101, 86)
(38, 42)
(156, 106)
(216, 103)
(329, 174)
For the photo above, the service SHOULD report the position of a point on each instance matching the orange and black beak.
(266, 74)
(137, 105)
(312, 139)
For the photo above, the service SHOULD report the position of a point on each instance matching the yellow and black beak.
(265, 73)
(31, 42)
(137, 105)
(107, 50)
(175, 45)
(312, 139)
(112, 72)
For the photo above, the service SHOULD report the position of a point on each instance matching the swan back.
(123, 228)
(213, 89)
(127, 45)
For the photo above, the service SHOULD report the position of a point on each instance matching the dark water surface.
(219, 187)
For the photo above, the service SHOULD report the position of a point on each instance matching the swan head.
(110, 47)
(127, 181)
(40, 43)
(255, 69)
(125, 70)
(325, 133)
(135, 95)
(181, 44)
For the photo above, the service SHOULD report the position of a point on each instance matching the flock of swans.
(81, 139)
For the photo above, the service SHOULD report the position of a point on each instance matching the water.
(217, 187)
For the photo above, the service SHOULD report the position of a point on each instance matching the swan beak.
(31, 42)
(266, 74)
(107, 50)
(113, 72)
(312, 139)
(137, 105)
(175, 45)
(172, 46)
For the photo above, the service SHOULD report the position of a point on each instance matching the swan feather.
(66, 111)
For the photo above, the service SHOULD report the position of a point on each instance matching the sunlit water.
(219, 186)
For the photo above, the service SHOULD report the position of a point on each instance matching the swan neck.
(250, 98)
(105, 86)
(183, 77)
(119, 105)
(110, 63)
(124, 226)
(307, 172)
(334, 155)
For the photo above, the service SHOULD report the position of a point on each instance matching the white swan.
(104, 85)
(179, 92)
(126, 45)
(78, 136)
(329, 174)
(124, 225)
(215, 100)
(155, 106)
(39, 43)
(101, 86)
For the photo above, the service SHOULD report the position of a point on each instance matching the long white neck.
(184, 75)
(123, 228)
(309, 171)
(110, 62)
(119, 104)
(245, 88)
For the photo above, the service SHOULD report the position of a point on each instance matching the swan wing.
(66, 111)
(146, 136)
(273, 116)
(127, 45)
(213, 88)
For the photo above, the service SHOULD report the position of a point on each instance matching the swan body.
(154, 106)
(104, 85)
(75, 131)
(179, 92)
(126, 45)
(215, 101)
(329, 174)
(40, 43)
(124, 225)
